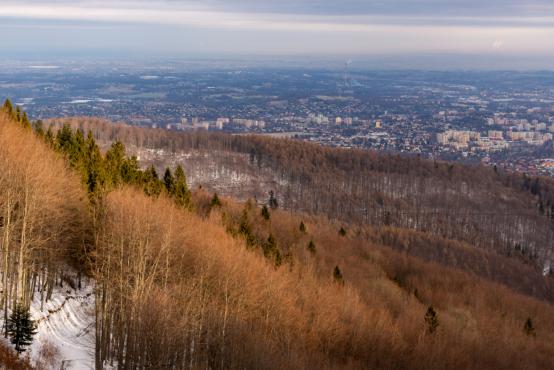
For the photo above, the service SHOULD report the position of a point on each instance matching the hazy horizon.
(419, 34)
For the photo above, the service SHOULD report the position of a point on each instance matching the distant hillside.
(508, 213)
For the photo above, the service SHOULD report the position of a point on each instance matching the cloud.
(355, 27)
(334, 7)
(181, 13)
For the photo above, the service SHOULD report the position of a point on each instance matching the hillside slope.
(504, 214)
(196, 281)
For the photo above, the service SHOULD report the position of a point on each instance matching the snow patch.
(66, 322)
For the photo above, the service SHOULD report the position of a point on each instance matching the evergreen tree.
(278, 258)
(49, 138)
(93, 168)
(64, 139)
(337, 275)
(528, 328)
(38, 126)
(7, 107)
(302, 227)
(271, 250)
(78, 150)
(181, 191)
(169, 181)
(21, 328)
(18, 114)
(270, 246)
(265, 213)
(215, 202)
(130, 171)
(115, 159)
(152, 184)
(431, 319)
(245, 229)
(25, 120)
(311, 247)
(342, 231)
(273, 200)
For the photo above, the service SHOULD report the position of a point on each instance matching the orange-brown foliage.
(237, 310)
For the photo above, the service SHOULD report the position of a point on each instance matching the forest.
(505, 212)
(331, 278)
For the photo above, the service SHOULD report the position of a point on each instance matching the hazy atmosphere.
(413, 33)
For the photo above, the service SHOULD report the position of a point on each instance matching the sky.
(517, 32)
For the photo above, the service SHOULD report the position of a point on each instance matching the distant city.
(498, 118)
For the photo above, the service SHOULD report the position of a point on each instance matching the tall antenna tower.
(347, 79)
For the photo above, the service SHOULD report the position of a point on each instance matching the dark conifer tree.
(169, 181)
(245, 230)
(18, 114)
(38, 126)
(342, 231)
(311, 247)
(265, 213)
(49, 138)
(528, 328)
(94, 170)
(115, 159)
(64, 139)
(152, 184)
(21, 328)
(7, 107)
(337, 275)
(270, 246)
(431, 319)
(215, 202)
(181, 190)
(25, 120)
(302, 227)
(130, 171)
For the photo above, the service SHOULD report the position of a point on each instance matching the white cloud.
(294, 33)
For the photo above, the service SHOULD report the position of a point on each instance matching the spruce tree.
(38, 126)
(270, 246)
(21, 328)
(94, 172)
(265, 213)
(431, 319)
(18, 114)
(181, 191)
(311, 247)
(64, 139)
(271, 250)
(130, 171)
(169, 181)
(302, 227)
(115, 159)
(25, 120)
(528, 328)
(7, 107)
(152, 184)
(49, 138)
(337, 275)
(215, 202)
(245, 230)
(342, 231)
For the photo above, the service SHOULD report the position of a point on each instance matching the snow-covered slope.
(65, 329)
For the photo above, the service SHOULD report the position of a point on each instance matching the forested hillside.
(508, 213)
(193, 279)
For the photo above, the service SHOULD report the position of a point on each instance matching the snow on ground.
(66, 321)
